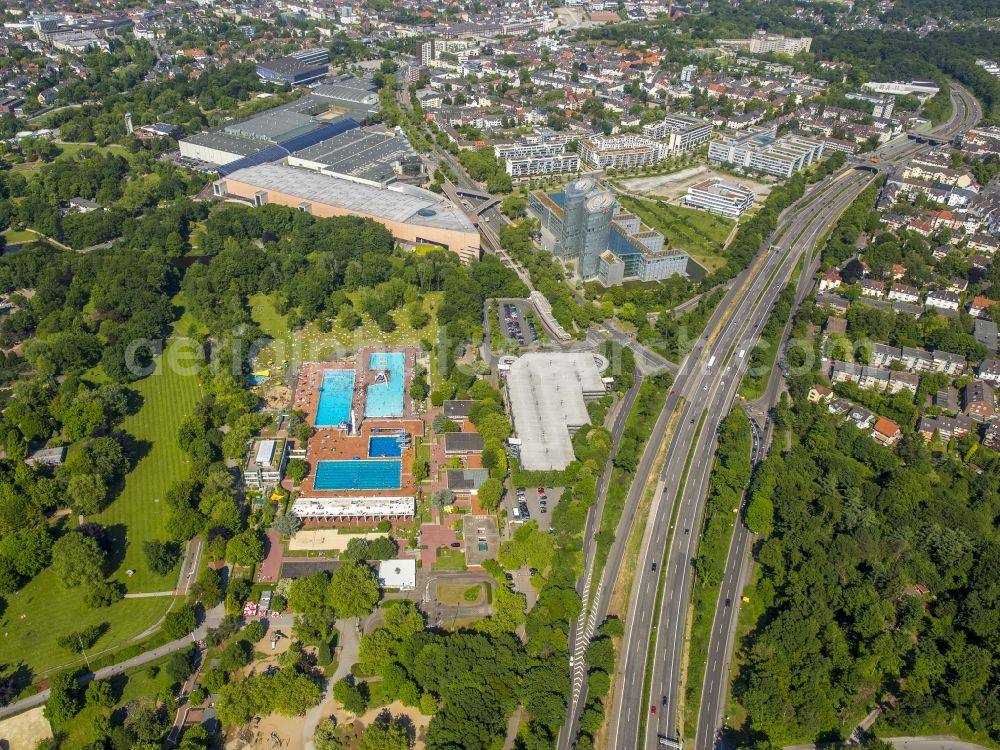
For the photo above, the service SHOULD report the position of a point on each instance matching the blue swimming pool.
(386, 446)
(385, 398)
(334, 406)
(358, 475)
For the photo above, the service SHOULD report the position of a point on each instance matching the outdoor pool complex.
(358, 475)
(334, 407)
(385, 399)
(385, 446)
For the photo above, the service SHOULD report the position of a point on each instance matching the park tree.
(161, 556)
(489, 494)
(385, 734)
(246, 548)
(296, 469)
(287, 524)
(180, 622)
(64, 698)
(328, 736)
(309, 595)
(353, 696)
(354, 590)
(77, 558)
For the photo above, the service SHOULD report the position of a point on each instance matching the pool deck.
(333, 445)
(310, 378)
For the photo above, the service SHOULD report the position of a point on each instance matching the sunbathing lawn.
(139, 511)
(312, 344)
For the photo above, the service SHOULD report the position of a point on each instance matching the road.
(966, 113)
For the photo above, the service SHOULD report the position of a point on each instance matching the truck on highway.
(742, 352)
(711, 361)
(665, 741)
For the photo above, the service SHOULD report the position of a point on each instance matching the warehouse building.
(413, 215)
(548, 394)
(327, 111)
(720, 197)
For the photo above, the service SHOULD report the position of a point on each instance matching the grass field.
(17, 236)
(702, 234)
(69, 150)
(453, 594)
(168, 395)
(449, 559)
(311, 344)
(44, 610)
(141, 682)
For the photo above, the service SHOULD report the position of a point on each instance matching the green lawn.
(168, 395)
(134, 684)
(44, 610)
(449, 559)
(69, 150)
(702, 234)
(312, 344)
(17, 236)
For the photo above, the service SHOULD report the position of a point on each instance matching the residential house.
(820, 394)
(872, 288)
(958, 285)
(978, 400)
(831, 280)
(979, 307)
(942, 299)
(904, 293)
(845, 372)
(860, 417)
(899, 381)
(835, 326)
(989, 371)
(947, 400)
(875, 378)
(991, 438)
(460, 443)
(945, 427)
(886, 431)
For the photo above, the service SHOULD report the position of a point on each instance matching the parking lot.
(515, 325)
(539, 505)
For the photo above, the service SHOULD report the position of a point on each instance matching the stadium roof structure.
(399, 203)
(366, 153)
(548, 393)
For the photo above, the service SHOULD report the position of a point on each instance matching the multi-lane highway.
(965, 115)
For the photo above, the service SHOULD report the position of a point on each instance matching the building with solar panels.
(340, 105)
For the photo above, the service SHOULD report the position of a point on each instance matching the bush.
(324, 656)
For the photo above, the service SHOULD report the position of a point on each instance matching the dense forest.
(858, 530)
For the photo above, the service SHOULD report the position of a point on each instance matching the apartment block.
(720, 197)
(762, 152)
(681, 132)
(620, 151)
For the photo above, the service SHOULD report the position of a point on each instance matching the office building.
(681, 132)
(584, 223)
(605, 152)
(760, 151)
(720, 197)
(413, 215)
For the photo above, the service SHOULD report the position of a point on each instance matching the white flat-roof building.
(548, 394)
(398, 574)
(720, 197)
(618, 151)
(265, 463)
(682, 132)
(528, 166)
(354, 508)
(918, 88)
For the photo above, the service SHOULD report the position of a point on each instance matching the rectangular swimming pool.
(334, 407)
(358, 475)
(385, 396)
(386, 446)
